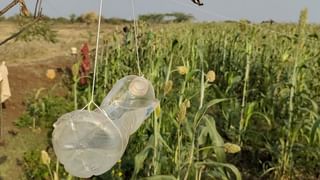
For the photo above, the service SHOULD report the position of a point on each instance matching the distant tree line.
(88, 18)
(176, 17)
(92, 17)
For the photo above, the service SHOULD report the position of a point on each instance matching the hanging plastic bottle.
(87, 143)
(131, 100)
(91, 142)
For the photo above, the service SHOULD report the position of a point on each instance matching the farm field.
(237, 100)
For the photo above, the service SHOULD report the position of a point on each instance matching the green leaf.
(245, 122)
(314, 104)
(160, 177)
(69, 177)
(202, 139)
(314, 129)
(216, 139)
(187, 130)
(232, 80)
(203, 110)
(231, 167)
(268, 120)
(164, 143)
(141, 157)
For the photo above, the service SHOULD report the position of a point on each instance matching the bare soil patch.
(27, 64)
(24, 80)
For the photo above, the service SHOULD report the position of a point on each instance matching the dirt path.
(24, 80)
(26, 77)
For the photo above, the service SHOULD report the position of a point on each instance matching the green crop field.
(237, 101)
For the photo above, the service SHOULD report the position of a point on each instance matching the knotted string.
(91, 102)
(135, 29)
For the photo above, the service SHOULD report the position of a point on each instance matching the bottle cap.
(139, 86)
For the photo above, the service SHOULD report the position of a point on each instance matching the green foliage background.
(265, 99)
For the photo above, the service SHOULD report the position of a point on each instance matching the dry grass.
(17, 53)
(68, 35)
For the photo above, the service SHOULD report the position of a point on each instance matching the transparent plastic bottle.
(90, 142)
(87, 143)
(130, 101)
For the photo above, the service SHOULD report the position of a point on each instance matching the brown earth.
(27, 65)
(28, 61)
(25, 80)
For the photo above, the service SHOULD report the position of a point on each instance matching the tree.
(40, 30)
(165, 18)
(181, 17)
(72, 18)
(153, 18)
(89, 18)
(30, 28)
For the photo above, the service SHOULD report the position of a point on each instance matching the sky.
(213, 10)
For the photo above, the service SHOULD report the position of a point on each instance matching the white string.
(94, 79)
(234, 19)
(96, 55)
(113, 124)
(136, 37)
(110, 120)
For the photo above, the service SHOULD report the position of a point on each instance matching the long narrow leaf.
(203, 110)
(141, 157)
(231, 167)
(314, 129)
(216, 139)
(160, 177)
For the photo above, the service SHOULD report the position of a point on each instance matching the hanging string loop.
(135, 26)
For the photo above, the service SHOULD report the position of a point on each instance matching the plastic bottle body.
(91, 142)
(87, 143)
(125, 103)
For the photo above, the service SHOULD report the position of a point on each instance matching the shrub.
(44, 111)
(89, 18)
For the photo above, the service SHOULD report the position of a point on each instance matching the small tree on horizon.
(89, 18)
(166, 17)
(72, 18)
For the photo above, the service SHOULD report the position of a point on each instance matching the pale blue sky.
(254, 10)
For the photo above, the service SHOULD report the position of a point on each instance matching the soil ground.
(27, 65)
(24, 80)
